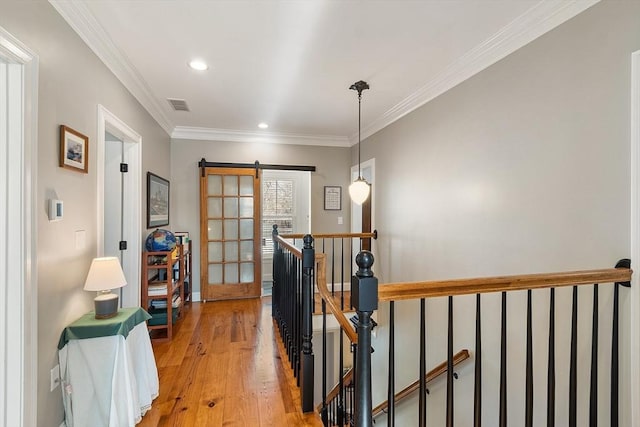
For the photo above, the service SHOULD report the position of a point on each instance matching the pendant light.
(359, 189)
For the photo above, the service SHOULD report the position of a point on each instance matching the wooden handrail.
(321, 283)
(346, 379)
(323, 290)
(439, 288)
(373, 235)
(441, 369)
(297, 251)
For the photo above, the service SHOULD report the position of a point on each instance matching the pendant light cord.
(359, 114)
(359, 86)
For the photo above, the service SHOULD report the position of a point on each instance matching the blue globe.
(160, 240)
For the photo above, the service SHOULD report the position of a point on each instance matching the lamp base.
(106, 306)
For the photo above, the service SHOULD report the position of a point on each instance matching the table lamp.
(104, 275)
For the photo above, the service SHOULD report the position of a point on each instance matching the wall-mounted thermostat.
(55, 210)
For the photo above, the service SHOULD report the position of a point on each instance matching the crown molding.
(80, 18)
(541, 18)
(208, 134)
(536, 21)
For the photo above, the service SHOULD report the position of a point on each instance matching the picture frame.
(157, 201)
(74, 150)
(332, 198)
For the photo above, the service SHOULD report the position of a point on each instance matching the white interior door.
(120, 197)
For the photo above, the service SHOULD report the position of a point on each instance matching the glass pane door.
(230, 222)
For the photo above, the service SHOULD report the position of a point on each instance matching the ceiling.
(290, 63)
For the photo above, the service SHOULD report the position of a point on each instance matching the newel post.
(306, 362)
(364, 298)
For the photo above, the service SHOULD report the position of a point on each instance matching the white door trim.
(107, 121)
(635, 239)
(19, 302)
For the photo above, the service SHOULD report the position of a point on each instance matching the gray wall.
(523, 168)
(332, 168)
(72, 82)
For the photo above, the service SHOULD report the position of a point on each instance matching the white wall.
(72, 82)
(523, 168)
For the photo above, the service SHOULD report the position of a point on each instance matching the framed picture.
(332, 198)
(157, 201)
(182, 237)
(74, 150)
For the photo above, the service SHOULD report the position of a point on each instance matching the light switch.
(340, 221)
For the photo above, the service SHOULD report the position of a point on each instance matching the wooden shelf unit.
(184, 272)
(158, 269)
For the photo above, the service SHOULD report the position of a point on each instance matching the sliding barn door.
(229, 234)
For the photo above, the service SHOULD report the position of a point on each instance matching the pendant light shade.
(359, 189)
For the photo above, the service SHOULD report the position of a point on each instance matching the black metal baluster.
(324, 413)
(573, 364)
(450, 364)
(529, 379)
(342, 274)
(614, 358)
(422, 404)
(623, 263)
(551, 367)
(593, 393)
(333, 266)
(391, 394)
(341, 418)
(503, 363)
(477, 382)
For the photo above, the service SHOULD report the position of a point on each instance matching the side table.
(108, 372)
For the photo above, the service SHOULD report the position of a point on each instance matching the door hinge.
(124, 167)
(123, 245)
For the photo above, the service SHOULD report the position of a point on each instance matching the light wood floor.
(224, 367)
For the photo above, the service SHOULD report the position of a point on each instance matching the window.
(278, 207)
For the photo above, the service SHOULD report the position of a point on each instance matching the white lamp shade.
(359, 191)
(104, 274)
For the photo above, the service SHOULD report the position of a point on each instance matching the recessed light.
(263, 125)
(198, 64)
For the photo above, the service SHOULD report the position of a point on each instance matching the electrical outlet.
(55, 377)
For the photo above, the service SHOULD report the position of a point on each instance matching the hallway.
(223, 367)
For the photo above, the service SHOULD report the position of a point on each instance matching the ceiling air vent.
(178, 104)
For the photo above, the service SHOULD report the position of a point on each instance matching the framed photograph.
(74, 150)
(182, 237)
(157, 201)
(332, 198)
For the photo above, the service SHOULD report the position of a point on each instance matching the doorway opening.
(286, 202)
(119, 199)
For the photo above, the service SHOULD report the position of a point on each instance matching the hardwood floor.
(224, 367)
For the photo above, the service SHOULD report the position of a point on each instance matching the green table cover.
(89, 327)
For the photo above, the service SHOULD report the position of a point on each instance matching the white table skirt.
(108, 381)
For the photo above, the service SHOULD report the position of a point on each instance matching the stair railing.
(392, 293)
(297, 272)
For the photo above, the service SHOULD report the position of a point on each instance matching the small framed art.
(332, 198)
(74, 150)
(157, 201)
